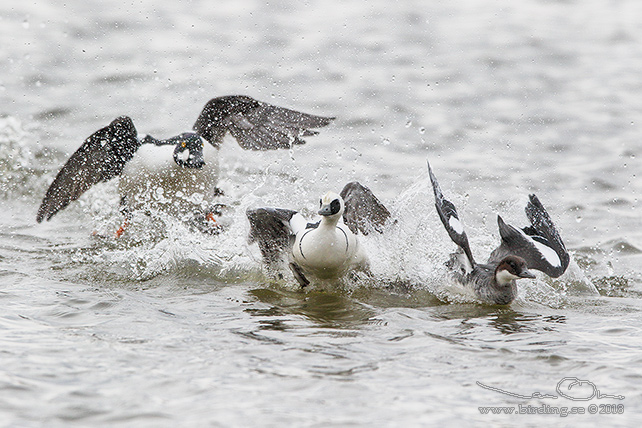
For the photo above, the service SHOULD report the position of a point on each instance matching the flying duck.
(176, 174)
(538, 246)
(327, 249)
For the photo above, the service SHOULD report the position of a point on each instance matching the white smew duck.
(327, 249)
(175, 174)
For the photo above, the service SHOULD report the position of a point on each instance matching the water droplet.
(25, 24)
(422, 130)
(408, 123)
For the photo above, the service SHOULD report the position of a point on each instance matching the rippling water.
(166, 326)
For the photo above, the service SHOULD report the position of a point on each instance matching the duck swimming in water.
(178, 174)
(538, 246)
(327, 249)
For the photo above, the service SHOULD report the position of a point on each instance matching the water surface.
(167, 326)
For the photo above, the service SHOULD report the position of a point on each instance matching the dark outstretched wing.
(539, 244)
(100, 158)
(255, 125)
(270, 229)
(448, 215)
(363, 211)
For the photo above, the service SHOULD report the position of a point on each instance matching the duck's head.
(511, 268)
(331, 206)
(189, 150)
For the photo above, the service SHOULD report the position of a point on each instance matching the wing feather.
(255, 125)
(539, 244)
(100, 158)
(270, 229)
(363, 211)
(449, 218)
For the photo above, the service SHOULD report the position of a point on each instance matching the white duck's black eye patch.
(335, 206)
(188, 155)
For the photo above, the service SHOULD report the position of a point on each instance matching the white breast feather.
(152, 173)
(325, 253)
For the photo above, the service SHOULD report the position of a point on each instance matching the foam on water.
(409, 256)
(22, 164)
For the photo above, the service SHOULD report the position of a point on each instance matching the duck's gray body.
(492, 283)
(492, 289)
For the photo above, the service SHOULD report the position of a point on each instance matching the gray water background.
(168, 327)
